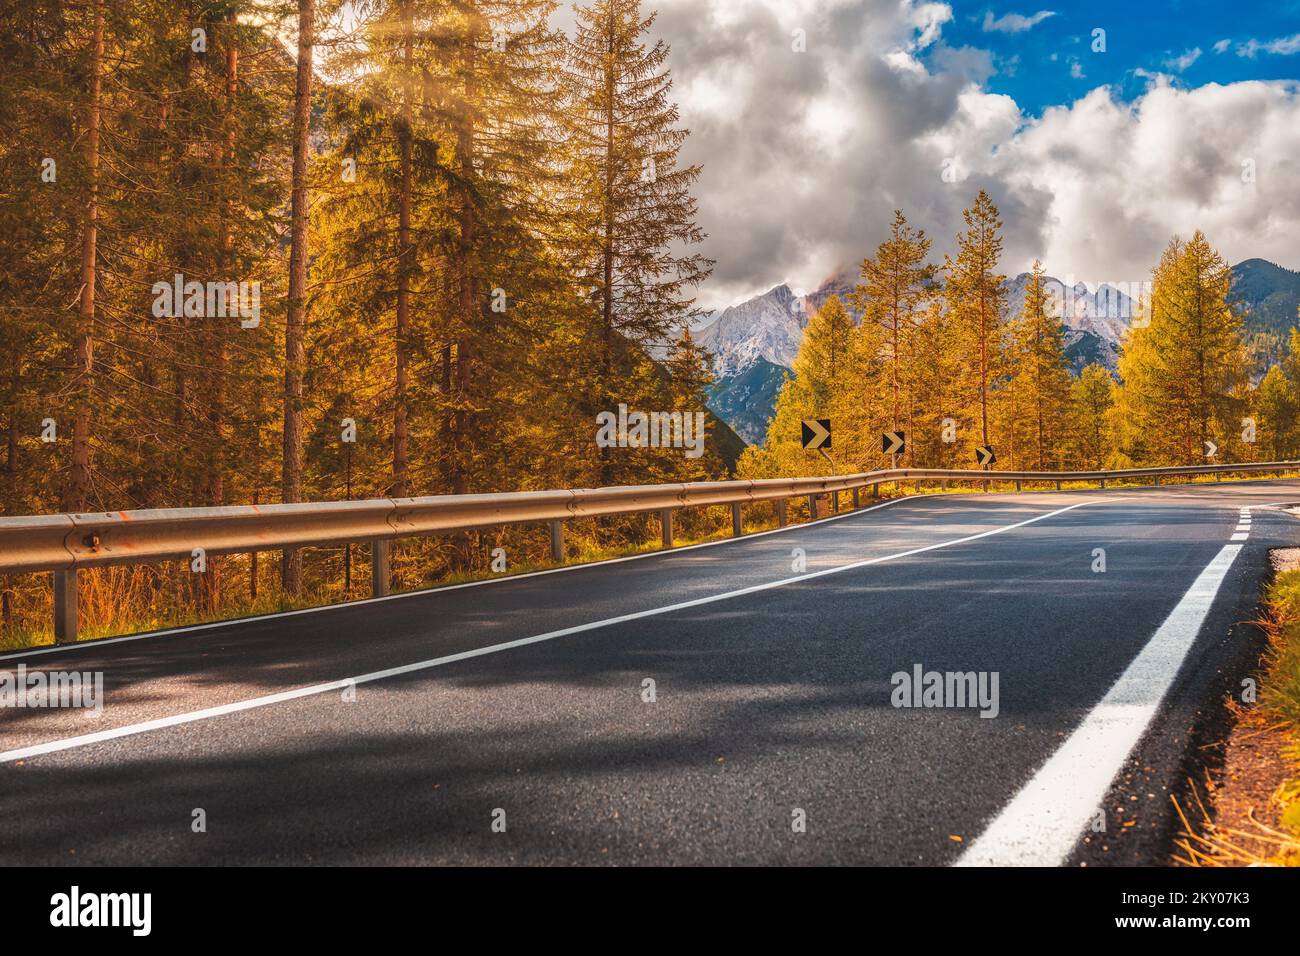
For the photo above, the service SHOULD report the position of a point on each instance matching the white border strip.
(1043, 822)
(83, 740)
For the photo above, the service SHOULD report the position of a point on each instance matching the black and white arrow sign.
(816, 434)
(893, 443)
(984, 455)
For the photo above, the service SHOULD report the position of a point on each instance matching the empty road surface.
(515, 721)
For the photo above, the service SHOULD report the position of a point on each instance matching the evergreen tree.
(977, 303)
(1040, 384)
(894, 288)
(825, 368)
(936, 392)
(1276, 408)
(632, 215)
(1185, 372)
(1092, 396)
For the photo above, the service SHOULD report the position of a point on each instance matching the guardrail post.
(1157, 480)
(1058, 485)
(1017, 484)
(835, 502)
(875, 490)
(1103, 482)
(380, 552)
(666, 527)
(780, 512)
(812, 507)
(737, 528)
(65, 606)
(857, 499)
(557, 541)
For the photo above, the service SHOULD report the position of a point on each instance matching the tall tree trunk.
(467, 300)
(607, 249)
(984, 349)
(295, 356)
(468, 303)
(215, 492)
(78, 497)
(895, 359)
(401, 453)
(11, 498)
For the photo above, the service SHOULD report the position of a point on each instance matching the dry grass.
(1261, 776)
(1203, 842)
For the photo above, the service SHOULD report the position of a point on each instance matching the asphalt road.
(771, 705)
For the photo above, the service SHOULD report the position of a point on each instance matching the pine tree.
(895, 286)
(936, 391)
(977, 302)
(821, 387)
(1092, 396)
(1276, 409)
(1185, 373)
(1041, 380)
(632, 213)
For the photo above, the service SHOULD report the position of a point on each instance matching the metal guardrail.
(65, 543)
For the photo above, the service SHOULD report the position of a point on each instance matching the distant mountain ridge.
(769, 326)
(1268, 294)
(745, 400)
(754, 342)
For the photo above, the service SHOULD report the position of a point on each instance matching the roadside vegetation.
(1280, 694)
(1249, 813)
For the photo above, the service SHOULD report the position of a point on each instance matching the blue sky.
(1052, 62)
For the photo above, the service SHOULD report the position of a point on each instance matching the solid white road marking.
(83, 740)
(1042, 823)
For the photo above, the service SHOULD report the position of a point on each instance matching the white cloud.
(1180, 63)
(927, 19)
(1222, 46)
(1282, 46)
(805, 155)
(1014, 22)
(1116, 181)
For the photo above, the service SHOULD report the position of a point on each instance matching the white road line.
(1242, 536)
(212, 625)
(82, 740)
(1042, 823)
